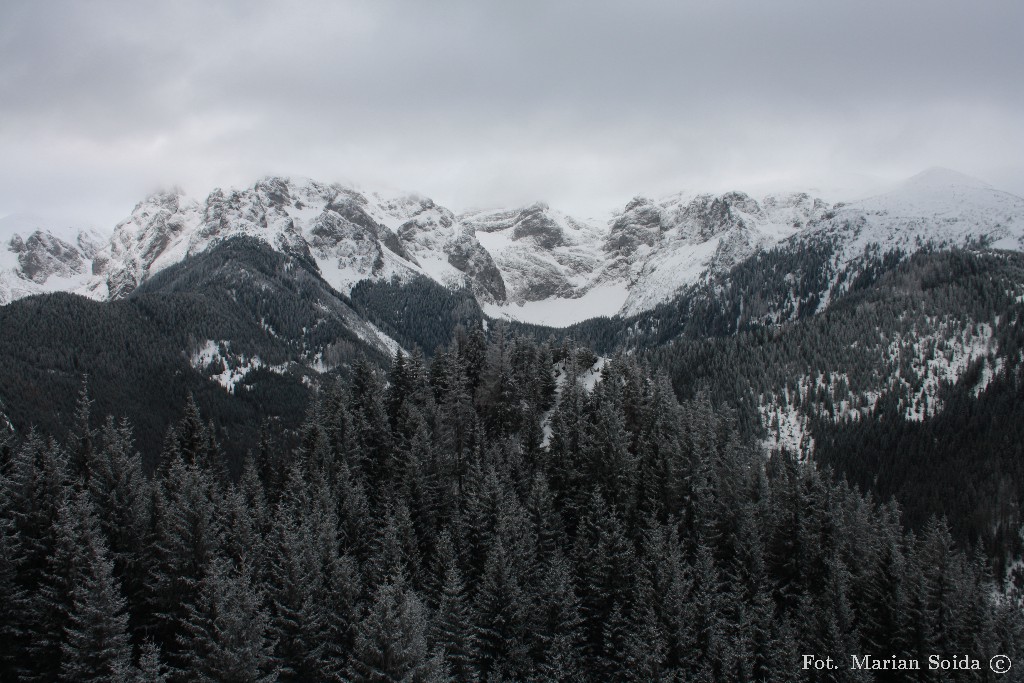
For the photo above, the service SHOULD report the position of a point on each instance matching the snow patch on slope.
(787, 430)
(920, 365)
(603, 300)
(376, 337)
(37, 258)
(659, 248)
(214, 355)
(541, 253)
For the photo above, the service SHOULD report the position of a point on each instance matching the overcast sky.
(483, 103)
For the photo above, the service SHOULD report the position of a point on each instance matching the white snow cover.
(542, 253)
(701, 234)
(938, 207)
(602, 300)
(379, 339)
(940, 356)
(587, 378)
(233, 369)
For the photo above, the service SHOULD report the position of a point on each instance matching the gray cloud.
(478, 103)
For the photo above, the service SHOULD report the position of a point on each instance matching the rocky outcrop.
(42, 255)
(540, 253)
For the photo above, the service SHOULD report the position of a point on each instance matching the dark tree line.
(487, 516)
(417, 314)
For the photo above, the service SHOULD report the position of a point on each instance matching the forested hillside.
(242, 328)
(907, 383)
(509, 511)
(420, 314)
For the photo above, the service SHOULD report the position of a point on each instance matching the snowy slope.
(549, 262)
(938, 207)
(445, 250)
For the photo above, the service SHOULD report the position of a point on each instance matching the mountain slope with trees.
(242, 328)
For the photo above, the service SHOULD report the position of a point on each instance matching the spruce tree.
(96, 646)
(32, 499)
(76, 541)
(452, 630)
(558, 626)
(501, 619)
(119, 493)
(150, 669)
(391, 640)
(82, 437)
(307, 620)
(183, 539)
(223, 635)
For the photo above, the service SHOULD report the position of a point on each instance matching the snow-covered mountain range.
(532, 263)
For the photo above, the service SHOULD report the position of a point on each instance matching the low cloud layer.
(581, 104)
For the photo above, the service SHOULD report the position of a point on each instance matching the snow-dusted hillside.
(551, 264)
(560, 271)
(541, 253)
(444, 249)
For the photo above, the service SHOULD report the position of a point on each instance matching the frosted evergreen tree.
(150, 669)
(391, 640)
(82, 435)
(558, 631)
(501, 619)
(452, 627)
(96, 645)
(223, 636)
(76, 540)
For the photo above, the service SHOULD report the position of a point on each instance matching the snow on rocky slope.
(349, 235)
(560, 270)
(660, 247)
(36, 258)
(550, 263)
(443, 248)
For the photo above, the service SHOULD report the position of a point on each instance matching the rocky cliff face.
(445, 249)
(42, 255)
(142, 243)
(660, 247)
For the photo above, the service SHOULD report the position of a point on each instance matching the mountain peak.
(939, 177)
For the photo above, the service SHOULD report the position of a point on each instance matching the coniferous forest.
(508, 511)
